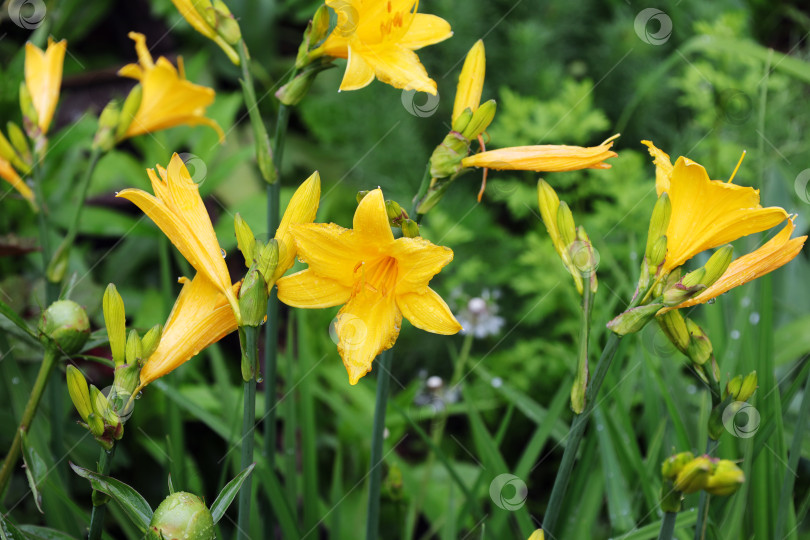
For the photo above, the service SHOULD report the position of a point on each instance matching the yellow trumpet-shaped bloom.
(43, 77)
(777, 252)
(8, 174)
(302, 209)
(471, 80)
(706, 213)
(545, 158)
(178, 210)
(168, 98)
(379, 280)
(378, 38)
(200, 316)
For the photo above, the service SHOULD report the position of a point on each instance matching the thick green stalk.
(575, 436)
(250, 350)
(375, 466)
(51, 289)
(668, 526)
(581, 381)
(48, 362)
(793, 463)
(703, 504)
(97, 516)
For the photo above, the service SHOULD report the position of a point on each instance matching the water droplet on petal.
(223, 252)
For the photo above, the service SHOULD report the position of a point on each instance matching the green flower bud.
(29, 112)
(717, 265)
(748, 387)
(101, 406)
(128, 111)
(8, 152)
(657, 254)
(80, 396)
(659, 221)
(634, 319)
(65, 323)
(107, 126)
(689, 286)
(225, 25)
(700, 348)
(184, 516)
(672, 466)
(410, 229)
(480, 121)
(245, 239)
(693, 475)
(296, 90)
(565, 224)
(150, 341)
(726, 478)
(134, 352)
(267, 262)
(673, 325)
(19, 141)
(671, 498)
(115, 321)
(253, 299)
(446, 158)
(393, 209)
(463, 119)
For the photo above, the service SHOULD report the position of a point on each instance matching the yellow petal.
(663, 167)
(709, 213)
(302, 208)
(133, 71)
(43, 77)
(200, 316)
(144, 57)
(429, 312)
(471, 80)
(371, 220)
(186, 9)
(366, 326)
(329, 250)
(399, 67)
(425, 30)
(777, 252)
(545, 158)
(359, 73)
(306, 289)
(418, 261)
(8, 174)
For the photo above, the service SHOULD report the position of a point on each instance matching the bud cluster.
(684, 474)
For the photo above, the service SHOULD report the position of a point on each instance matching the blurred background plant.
(569, 72)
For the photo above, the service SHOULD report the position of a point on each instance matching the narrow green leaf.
(18, 321)
(650, 532)
(616, 489)
(227, 494)
(171, 487)
(35, 532)
(10, 532)
(130, 500)
(35, 469)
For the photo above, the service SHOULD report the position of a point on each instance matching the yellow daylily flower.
(302, 209)
(663, 167)
(538, 535)
(706, 213)
(201, 316)
(470, 81)
(196, 20)
(168, 98)
(178, 210)
(8, 174)
(378, 38)
(545, 158)
(43, 78)
(777, 252)
(379, 279)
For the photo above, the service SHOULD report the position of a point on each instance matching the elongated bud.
(245, 240)
(733, 387)
(481, 119)
(633, 320)
(19, 141)
(659, 221)
(226, 26)
(584, 257)
(749, 386)
(393, 209)
(115, 320)
(693, 475)
(108, 126)
(673, 325)
(80, 396)
(182, 515)
(101, 406)
(461, 122)
(29, 112)
(8, 153)
(470, 81)
(150, 341)
(134, 351)
(253, 299)
(656, 255)
(128, 111)
(726, 478)
(267, 261)
(127, 378)
(686, 288)
(717, 265)
(410, 229)
(565, 225)
(672, 466)
(320, 25)
(700, 348)
(549, 204)
(65, 324)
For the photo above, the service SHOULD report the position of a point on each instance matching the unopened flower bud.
(481, 119)
(700, 348)
(107, 126)
(659, 221)
(128, 111)
(65, 324)
(182, 515)
(245, 240)
(19, 141)
(393, 209)
(267, 262)
(470, 81)
(320, 25)
(690, 285)
(446, 158)
(673, 325)
(134, 351)
(101, 407)
(749, 386)
(565, 224)
(29, 112)
(226, 25)
(410, 229)
(150, 341)
(294, 91)
(673, 464)
(462, 120)
(717, 265)
(656, 255)
(80, 396)
(634, 319)
(693, 475)
(726, 478)
(115, 320)
(253, 299)
(8, 153)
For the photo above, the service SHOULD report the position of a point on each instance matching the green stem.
(375, 466)
(250, 349)
(423, 189)
(97, 516)
(48, 362)
(51, 289)
(785, 495)
(703, 504)
(668, 526)
(581, 381)
(264, 154)
(575, 437)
